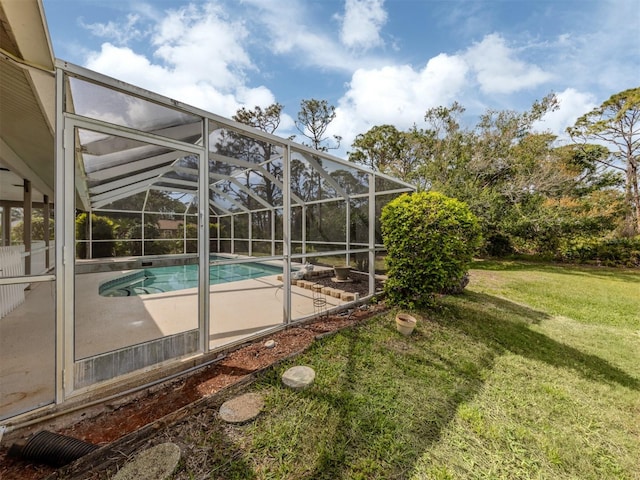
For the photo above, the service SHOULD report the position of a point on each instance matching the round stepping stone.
(242, 409)
(155, 463)
(299, 377)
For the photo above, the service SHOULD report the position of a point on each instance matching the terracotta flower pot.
(405, 323)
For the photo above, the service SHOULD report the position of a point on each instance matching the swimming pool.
(168, 279)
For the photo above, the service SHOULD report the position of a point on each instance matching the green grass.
(515, 379)
(600, 296)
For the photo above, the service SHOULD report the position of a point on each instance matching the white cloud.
(572, 104)
(199, 58)
(397, 95)
(119, 32)
(292, 31)
(362, 22)
(205, 44)
(497, 69)
(200, 54)
(401, 94)
(127, 65)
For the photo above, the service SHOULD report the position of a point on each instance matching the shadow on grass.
(390, 397)
(384, 426)
(371, 441)
(510, 331)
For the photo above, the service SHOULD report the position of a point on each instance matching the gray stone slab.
(155, 463)
(299, 377)
(242, 409)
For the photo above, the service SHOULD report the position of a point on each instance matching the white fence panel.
(38, 257)
(11, 265)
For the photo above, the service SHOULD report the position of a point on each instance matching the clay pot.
(342, 273)
(405, 323)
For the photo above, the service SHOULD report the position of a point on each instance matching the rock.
(242, 409)
(270, 343)
(299, 377)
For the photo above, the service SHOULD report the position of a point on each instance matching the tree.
(102, 236)
(388, 150)
(258, 151)
(313, 119)
(377, 148)
(267, 120)
(528, 194)
(617, 122)
(445, 166)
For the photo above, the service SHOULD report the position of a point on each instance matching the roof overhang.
(27, 101)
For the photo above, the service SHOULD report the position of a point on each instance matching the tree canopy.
(617, 123)
(313, 120)
(530, 194)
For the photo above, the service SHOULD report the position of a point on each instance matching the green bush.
(153, 244)
(103, 229)
(37, 230)
(618, 252)
(430, 240)
(498, 245)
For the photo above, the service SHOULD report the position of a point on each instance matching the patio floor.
(27, 343)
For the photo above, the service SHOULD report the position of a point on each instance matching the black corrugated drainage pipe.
(52, 449)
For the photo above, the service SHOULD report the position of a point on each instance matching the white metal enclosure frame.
(263, 195)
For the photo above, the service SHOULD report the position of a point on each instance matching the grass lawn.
(533, 373)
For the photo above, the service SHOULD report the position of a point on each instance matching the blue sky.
(377, 61)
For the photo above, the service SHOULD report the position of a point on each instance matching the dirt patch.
(116, 421)
(359, 284)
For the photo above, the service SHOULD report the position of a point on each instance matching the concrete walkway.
(103, 324)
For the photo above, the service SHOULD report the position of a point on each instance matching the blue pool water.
(167, 279)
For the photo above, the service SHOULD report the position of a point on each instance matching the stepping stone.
(155, 463)
(242, 409)
(299, 377)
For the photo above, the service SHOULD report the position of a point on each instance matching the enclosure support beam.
(6, 225)
(372, 234)
(27, 221)
(304, 233)
(89, 235)
(273, 233)
(45, 226)
(65, 236)
(250, 234)
(286, 234)
(218, 230)
(60, 226)
(233, 234)
(204, 307)
(347, 229)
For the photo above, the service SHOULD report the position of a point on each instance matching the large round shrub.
(430, 240)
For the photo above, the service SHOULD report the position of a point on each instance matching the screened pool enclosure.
(178, 234)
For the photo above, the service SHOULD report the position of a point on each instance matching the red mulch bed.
(113, 424)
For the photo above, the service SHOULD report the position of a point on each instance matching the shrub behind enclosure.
(430, 240)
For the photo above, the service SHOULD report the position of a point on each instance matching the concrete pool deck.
(27, 345)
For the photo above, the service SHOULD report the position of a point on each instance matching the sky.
(377, 61)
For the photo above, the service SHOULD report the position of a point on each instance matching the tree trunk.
(632, 181)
